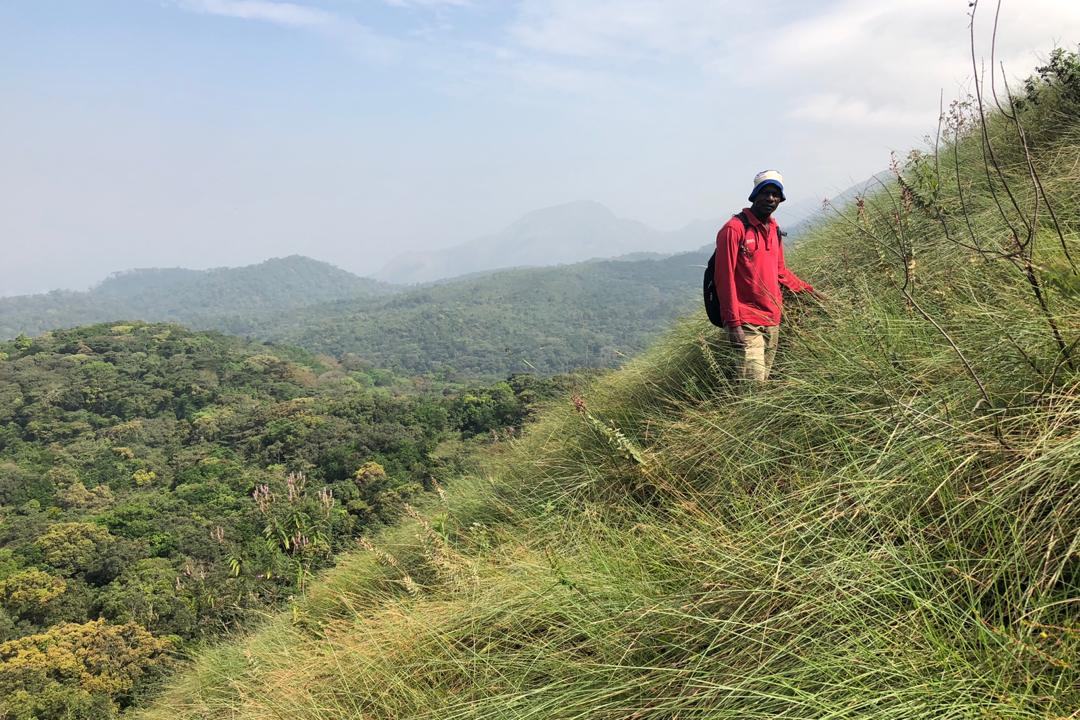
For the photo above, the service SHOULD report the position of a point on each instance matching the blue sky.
(203, 133)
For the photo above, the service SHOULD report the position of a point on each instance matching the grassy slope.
(867, 536)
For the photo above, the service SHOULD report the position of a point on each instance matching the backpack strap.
(745, 226)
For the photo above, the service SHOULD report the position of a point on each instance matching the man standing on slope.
(749, 272)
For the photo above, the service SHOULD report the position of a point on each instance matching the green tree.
(147, 593)
(77, 672)
(76, 548)
(26, 593)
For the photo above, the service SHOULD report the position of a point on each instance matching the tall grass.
(890, 528)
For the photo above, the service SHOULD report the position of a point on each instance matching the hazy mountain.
(572, 233)
(805, 214)
(193, 297)
(551, 236)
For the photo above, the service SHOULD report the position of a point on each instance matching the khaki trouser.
(754, 360)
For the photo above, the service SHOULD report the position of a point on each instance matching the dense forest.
(158, 485)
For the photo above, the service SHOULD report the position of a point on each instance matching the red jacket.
(750, 270)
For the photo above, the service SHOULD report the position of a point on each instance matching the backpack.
(712, 302)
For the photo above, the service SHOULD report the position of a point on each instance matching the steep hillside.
(200, 298)
(890, 529)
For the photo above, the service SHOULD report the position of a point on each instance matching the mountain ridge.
(196, 297)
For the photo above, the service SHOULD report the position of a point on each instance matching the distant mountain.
(485, 324)
(552, 236)
(566, 234)
(200, 298)
(809, 213)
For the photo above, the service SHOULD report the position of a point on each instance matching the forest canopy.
(158, 484)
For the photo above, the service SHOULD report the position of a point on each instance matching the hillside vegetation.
(889, 529)
(548, 320)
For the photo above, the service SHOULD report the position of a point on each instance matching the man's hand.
(736, 336)
(819, 296)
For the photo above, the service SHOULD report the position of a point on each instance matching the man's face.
(766, 201)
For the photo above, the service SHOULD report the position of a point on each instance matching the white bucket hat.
(768, 177)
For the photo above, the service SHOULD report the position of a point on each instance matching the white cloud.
(876, 63)
(279, 13)
(845, 80)
(558, 78)
(624, 29)
(428, 3)
(353, 35)
(837, 110)
(884, 64)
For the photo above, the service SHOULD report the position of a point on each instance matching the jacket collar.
(765, 229)
(754, 219)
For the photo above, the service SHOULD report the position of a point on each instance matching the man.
(749, 272)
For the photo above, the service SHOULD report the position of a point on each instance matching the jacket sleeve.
(727, 254)
(787, 278)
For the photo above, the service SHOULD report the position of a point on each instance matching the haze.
(202, 133)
